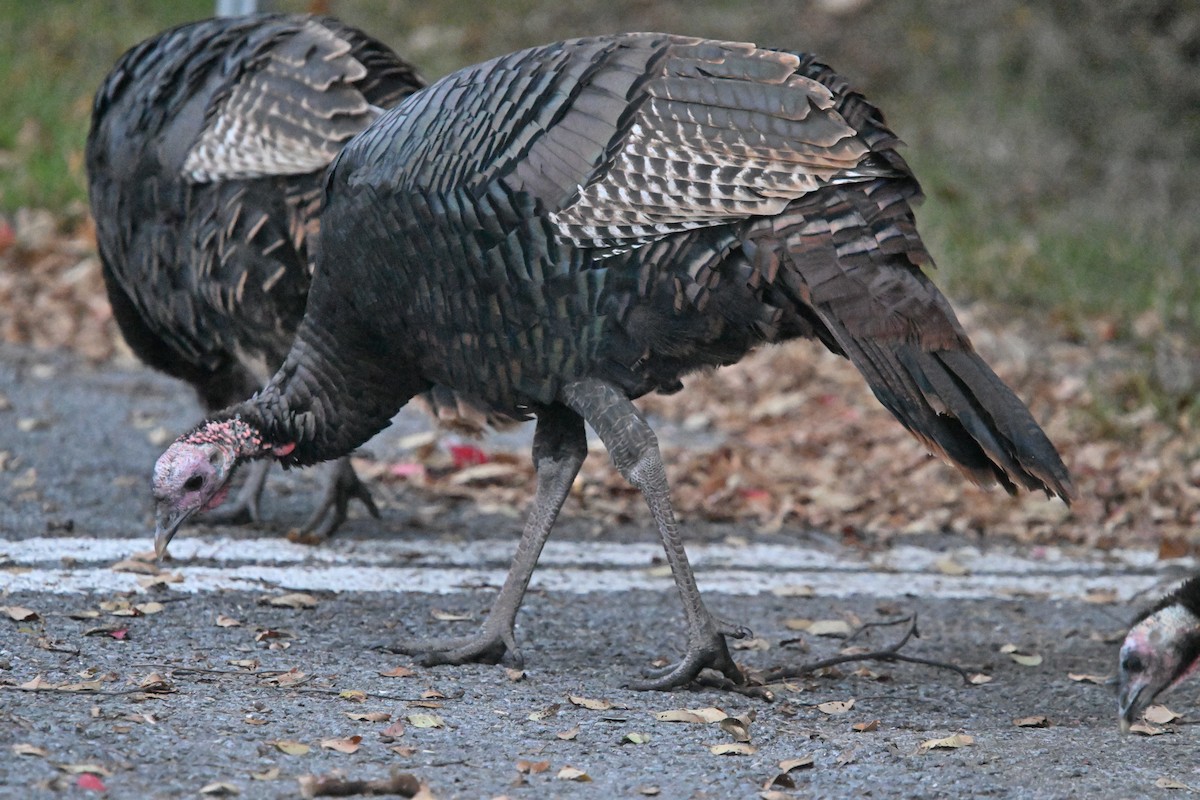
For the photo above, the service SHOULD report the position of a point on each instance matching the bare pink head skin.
(1161, 650)
(193, 474)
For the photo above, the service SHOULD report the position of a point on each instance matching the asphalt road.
(213, 684)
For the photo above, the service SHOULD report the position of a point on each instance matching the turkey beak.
(167, 521)
(1127, 703)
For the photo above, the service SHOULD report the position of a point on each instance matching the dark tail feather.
(953, 402)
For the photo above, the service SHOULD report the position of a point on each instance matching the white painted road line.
(71, 565)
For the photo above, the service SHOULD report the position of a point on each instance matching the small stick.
(890, 653)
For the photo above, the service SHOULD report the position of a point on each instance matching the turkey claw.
(481, 648)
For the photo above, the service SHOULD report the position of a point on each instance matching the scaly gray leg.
(341, 486)
(559, 447)
(244, 507)
(634, 451)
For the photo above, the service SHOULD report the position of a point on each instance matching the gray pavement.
(76, 445)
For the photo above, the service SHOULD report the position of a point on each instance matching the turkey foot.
(706, 649)
(485, 647)
(341, 486)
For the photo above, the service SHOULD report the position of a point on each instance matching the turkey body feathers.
(537, 219)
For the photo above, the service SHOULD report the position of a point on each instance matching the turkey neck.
(326, 400)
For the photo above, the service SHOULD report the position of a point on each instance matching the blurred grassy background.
(1059, 143)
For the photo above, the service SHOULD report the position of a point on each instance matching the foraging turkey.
(1160, 651)
(205, 159)
(560, 230)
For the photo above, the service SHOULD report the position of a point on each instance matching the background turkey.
(556, 231)
(204, 160)
(1160, 651)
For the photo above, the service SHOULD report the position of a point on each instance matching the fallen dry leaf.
(948, 743)
(589, 703)
(783, 778)
(1159, 715)
(733, 749)
(544, 714)
(91, 783)
(290, 747)
(693, 715)
(269, 775)
(514, 675)
(1170, 783)
(649, 791)
(634, 737)
(369, 716)
(1022, 658)
(449, 616)
(397, 672)
(19, 613)
(220, 789)
(865, 727)
(353, 695)
(87, 768)
(738, 729)
(573, 774)
(1143, 729)
(290, 600)
(153, 607)
(948, 566)
(1100, 597)
(224, 621)
(526, 767)
(1032, 722)
(349, 744)
(835, 707)
(979, 679)
(829, 627)
(426, 721)
(568, 734)
(1080, 677)
(25, 749)
(290, 678)
(137, 567)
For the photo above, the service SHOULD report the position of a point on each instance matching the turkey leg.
(559, 447)
(634, 451)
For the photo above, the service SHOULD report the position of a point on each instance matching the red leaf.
(466, 455)
(119, 633)
(90, 782)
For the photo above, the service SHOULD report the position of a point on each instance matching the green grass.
(1058, 147)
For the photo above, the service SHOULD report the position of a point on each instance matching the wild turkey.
(559, 230)
(205, 158)
(1160, 651)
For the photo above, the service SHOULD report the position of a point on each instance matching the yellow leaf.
(635, 738)
(291, 748)
(948, 566)
(19, 613)
(227, 622)
(573, 774)
(353, 695)
(348, 745)
(733, 749)
(426, 721)
(949, 743)
(835, 707)
(589, 703)
(1032, 722)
